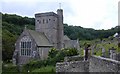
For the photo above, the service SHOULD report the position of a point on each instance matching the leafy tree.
(8, 41)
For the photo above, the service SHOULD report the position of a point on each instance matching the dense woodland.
(13, 25)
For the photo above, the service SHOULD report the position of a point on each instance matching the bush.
(33, 64)
(54, 56)
(58, 55)
(72, 52)
(52, 53)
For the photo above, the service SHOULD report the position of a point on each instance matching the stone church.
(48, 34)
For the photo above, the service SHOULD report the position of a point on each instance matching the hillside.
(13, 25)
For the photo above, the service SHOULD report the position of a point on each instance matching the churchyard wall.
(100, 64)
(95, 64)
(73, 66)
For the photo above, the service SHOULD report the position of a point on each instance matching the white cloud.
(98, 14)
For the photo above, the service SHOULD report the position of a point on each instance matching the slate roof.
(66, 37)
(40, 38)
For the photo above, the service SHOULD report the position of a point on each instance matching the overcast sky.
(97, 14)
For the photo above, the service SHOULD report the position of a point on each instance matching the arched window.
(25, 46)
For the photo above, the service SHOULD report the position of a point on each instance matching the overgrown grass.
(9, 68)
(106, 44)
(45, 69)
(81, 52)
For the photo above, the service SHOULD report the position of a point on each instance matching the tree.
(8, 41)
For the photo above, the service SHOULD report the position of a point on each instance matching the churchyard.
(55, 56)
(97, 45)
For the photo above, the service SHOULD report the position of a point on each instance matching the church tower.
(51, 24)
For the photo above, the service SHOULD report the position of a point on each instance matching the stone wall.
(100, 64)
(95, 64)
(73, 58)
(76, 66)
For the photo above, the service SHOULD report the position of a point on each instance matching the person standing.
(87, 52)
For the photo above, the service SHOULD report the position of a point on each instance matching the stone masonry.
(48, 33)
(95, 64)
(51, 24)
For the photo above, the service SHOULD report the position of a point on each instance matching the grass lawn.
(9, 68)
(45, 69)
(107, 44)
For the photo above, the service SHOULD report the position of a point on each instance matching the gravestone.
(103, 52)
(112, 52)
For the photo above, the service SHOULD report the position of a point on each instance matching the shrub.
(53, 57)
(58, 55)
(72, 52)
(33, 64)
(52, 53)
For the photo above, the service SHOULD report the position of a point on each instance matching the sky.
(97, 14)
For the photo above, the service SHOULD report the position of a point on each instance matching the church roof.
(40, 38)
(66, 37)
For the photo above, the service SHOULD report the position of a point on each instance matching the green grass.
(9, 67)
(45, 69)
(98, 50)
(81, 52)
(106, 46)
(99, 53)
